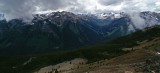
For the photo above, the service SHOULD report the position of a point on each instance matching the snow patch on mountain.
(110, 15)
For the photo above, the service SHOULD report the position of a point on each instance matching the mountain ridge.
(66, 30)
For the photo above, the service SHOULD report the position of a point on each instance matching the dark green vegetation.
(108, 50)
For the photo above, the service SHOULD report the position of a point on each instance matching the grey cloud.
(110, 2)
(140, 5)
(25, 8)
(137, 20)
(16, 8)
(51, 4)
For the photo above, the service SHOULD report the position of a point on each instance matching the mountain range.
(66, 30)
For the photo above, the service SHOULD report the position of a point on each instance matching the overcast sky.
(22, 8)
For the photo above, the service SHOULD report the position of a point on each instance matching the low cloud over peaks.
(25, 8)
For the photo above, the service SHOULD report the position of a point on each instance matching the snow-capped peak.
(111, 15)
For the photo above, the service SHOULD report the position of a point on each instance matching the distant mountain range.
(66, 30)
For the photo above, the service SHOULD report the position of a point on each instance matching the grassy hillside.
(107, 50)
